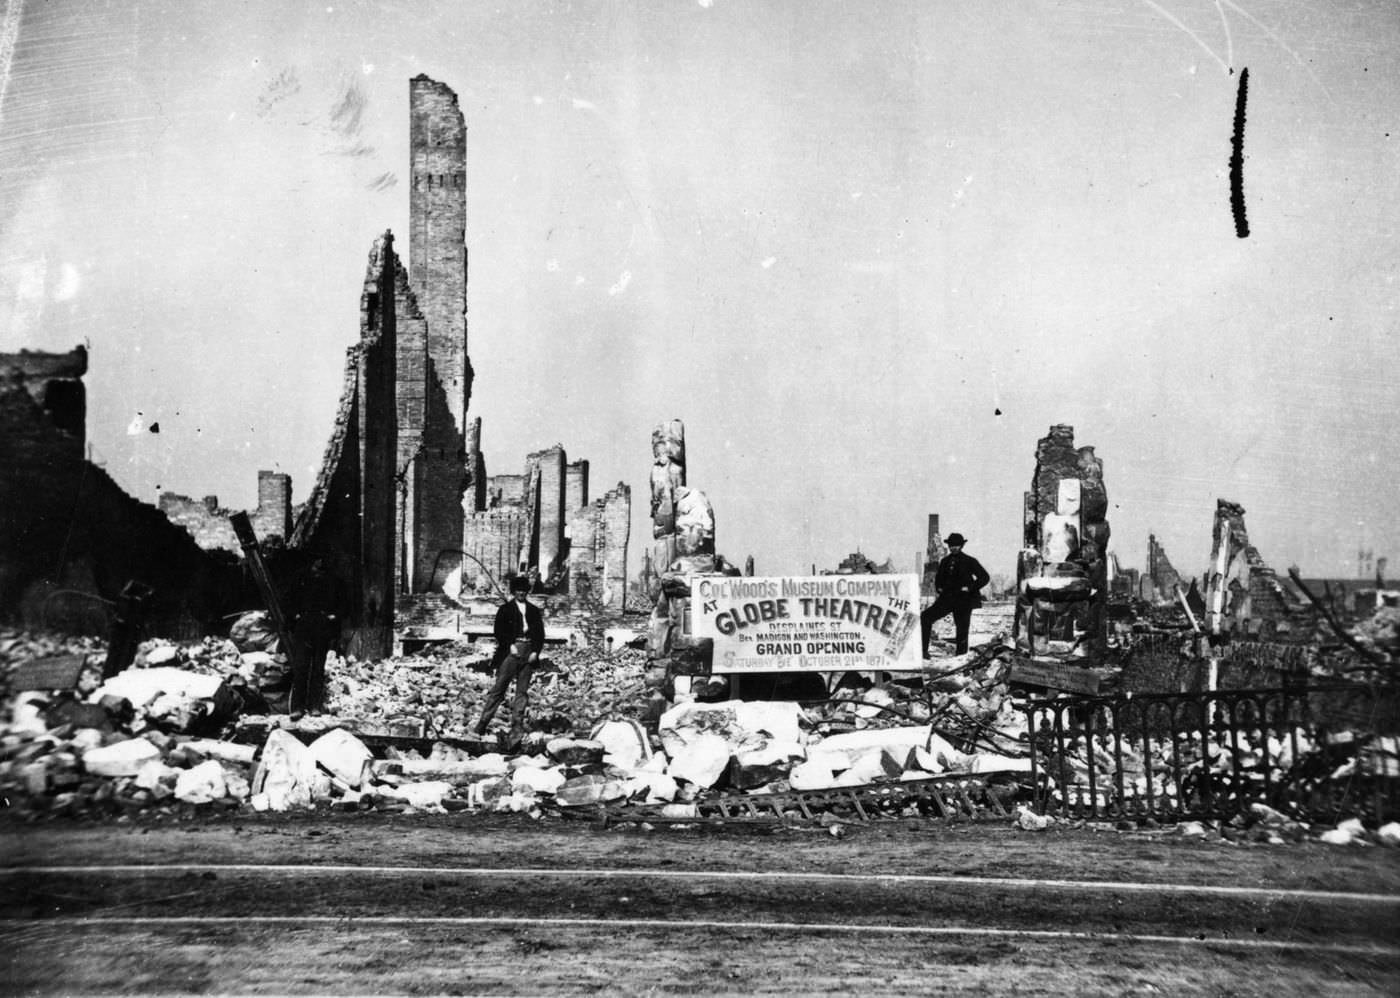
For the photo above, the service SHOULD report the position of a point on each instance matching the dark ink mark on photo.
(1237, 159)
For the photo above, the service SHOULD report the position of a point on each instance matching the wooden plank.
(1070, 678)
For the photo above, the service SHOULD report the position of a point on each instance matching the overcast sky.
(868, 251)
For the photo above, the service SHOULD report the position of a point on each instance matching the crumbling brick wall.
(598, 536)
(208, 522)
(496, 539)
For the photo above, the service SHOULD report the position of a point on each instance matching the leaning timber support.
(243, 528)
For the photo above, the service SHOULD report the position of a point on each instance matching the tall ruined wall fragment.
(1062, 572)
(476, 468)
(616, 523)
(575, 486)
(414, 564)
(549, 560)
(1244, 597)
(438, 273)
(350, 520)
(1161, 579)
(598, 537)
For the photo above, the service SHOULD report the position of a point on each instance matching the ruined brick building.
(402, 514)
(402, 509)
(1062, 571)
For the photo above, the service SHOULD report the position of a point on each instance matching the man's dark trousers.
(516, 666)
(960, 606)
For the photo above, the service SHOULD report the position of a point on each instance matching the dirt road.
(372, 905)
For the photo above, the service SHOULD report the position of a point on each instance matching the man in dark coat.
(959, 581)
(519, 634)
(319, 602)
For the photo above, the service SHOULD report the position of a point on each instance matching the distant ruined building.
(1159, 583)
(541, 524)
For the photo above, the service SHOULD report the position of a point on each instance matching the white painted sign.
(823, 623)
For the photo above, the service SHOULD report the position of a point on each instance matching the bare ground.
(436, 905)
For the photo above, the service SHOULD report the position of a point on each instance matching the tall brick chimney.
(438, 275)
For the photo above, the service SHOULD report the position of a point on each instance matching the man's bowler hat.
(956, 540)
(520, 584)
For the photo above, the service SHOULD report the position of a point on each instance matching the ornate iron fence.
(1313, 753)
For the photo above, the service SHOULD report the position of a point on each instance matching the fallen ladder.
(944, 798)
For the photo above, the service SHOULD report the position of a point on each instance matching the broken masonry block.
(344, 756)
(701, 761)
(121, 758)
(576, 751)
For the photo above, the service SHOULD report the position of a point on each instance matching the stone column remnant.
(683, 529)
(667, 474)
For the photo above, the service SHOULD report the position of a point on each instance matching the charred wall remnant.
(350, 519)
(1244, 597)
(1062, 570)
(70, 537)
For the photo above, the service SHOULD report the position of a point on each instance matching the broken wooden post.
(126, 627)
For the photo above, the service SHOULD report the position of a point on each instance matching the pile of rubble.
(443, 689)
(198, 723)
(195, 725)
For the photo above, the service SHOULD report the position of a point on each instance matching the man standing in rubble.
(519, 635)
(959, 583)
